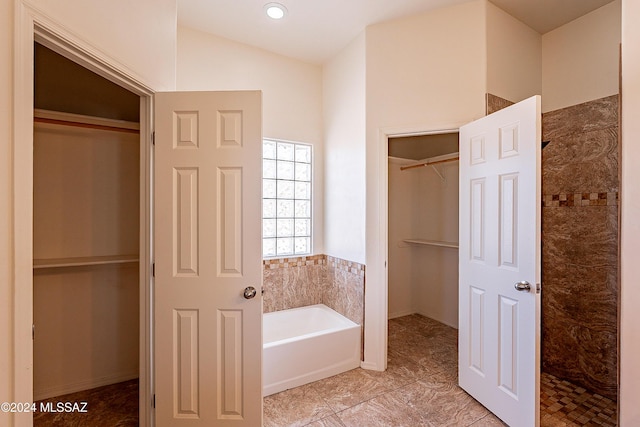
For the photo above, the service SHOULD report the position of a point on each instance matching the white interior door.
(500, 205)
(208, 333)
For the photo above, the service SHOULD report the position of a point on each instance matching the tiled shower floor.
(419, 389)
(566, 404)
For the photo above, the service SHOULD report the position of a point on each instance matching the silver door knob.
(249, 292)
(523, 286)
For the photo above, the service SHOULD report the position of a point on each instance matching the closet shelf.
(432, 243)
(83, 261)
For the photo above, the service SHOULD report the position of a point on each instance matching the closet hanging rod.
(84, 125)
(428, 163)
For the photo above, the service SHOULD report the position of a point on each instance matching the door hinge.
(33, 331)
(538, 288)
(153, 269)
(154, 401)
(153, 138)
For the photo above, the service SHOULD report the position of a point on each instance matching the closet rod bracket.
(440, 174)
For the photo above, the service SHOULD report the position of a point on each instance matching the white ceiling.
(314, 31)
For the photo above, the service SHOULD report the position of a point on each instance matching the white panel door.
(208, 333)
(499, 302)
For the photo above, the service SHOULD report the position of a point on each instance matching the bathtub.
(306, 344)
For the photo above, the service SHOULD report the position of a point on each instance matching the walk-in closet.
(423, 226)
(86, 232)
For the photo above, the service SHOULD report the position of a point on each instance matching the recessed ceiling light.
(275, 10)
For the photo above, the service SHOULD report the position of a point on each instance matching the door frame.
(31, 25)
(376, 305)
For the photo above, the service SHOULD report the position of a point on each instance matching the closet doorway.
(422, 274)
(86, 241)
(423, 226)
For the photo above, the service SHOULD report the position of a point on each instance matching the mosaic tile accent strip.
(294, 262)
(349, 266)
(340, 264)
(565, 404)
(579, 199)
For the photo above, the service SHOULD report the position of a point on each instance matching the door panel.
(500, 199)
(208, 337)
(185, 189)
(186, 363)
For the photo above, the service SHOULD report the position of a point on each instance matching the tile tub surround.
(293, 282)
(344, 290)
(315, 279)
(580, 244)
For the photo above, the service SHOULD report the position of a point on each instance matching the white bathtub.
(306, 344)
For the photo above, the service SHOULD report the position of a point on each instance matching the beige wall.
(291, 89)
(291, 94)
(580, 59)
(514, 57)
(140, 38)
(86, 317)
(630, 227)
(401, 193)
(425, 72)
(86, 328)
(344, 126)
(422, 278)
(426, 69)
(143, 41)
(435, 269)
(140, 35)
(6, 123)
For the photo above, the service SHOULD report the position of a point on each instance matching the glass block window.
(286, 198)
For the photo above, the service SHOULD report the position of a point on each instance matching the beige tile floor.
(114, 405)
(419, 389)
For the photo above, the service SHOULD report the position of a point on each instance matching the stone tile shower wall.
(580, 244)
(317, 279)
(495, 103)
